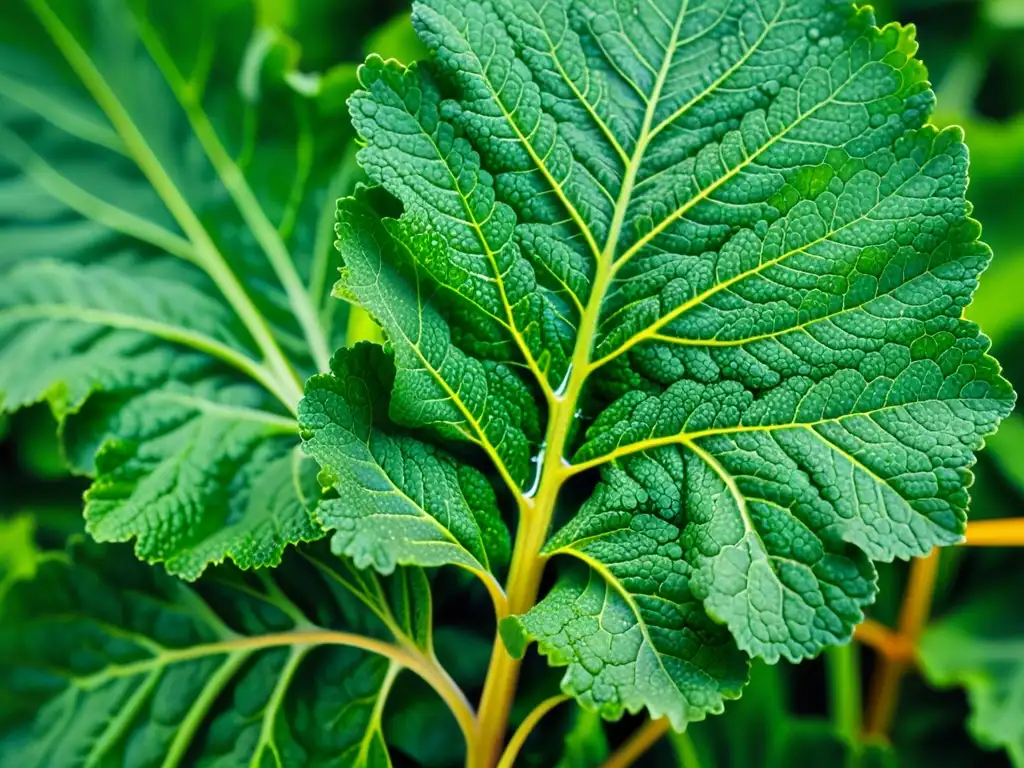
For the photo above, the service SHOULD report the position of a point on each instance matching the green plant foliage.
(18, 554)
(762, 732)
(981, 647)
(658, 319)
(164, 283)
(585, 742)
(119, 663)
(758, 269)
(400, 501)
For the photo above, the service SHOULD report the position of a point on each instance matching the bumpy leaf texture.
(399, 501)
(107, 661)
(734, 216)
(132, 203)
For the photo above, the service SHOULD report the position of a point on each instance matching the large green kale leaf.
(167, 184)
(716, 250)
(106, 660)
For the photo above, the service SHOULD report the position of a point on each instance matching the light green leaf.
(195, 472)
(108, 661)
(1004, 448)
(154, 261)
(400, 501)
(997, 154)
(981, 648)
(137, 131)
(1004, 13)
(143, 371)
(585, 742)
(19, 556)
(395, 39)
(69, 330)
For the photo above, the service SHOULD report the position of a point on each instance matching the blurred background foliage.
(967, 709)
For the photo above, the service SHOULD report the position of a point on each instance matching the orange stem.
(917, 603)
(883, 640)
(645, 737)
(996, 533)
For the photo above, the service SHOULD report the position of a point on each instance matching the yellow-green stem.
(523, 584)
(522, 733)
(536, 512)
(535, 518)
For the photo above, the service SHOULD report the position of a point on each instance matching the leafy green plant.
(675, 291)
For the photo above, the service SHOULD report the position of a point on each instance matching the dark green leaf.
(108, 661)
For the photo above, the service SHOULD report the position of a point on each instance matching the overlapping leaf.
(436, 383)
(140, 133)
(632, 633)
(759, 255)
(192, 458)
(106, 660)
(399, 500)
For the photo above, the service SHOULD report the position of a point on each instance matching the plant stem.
(897, 649)
(503, 672)
(535, 518)
(686, 750)
(917, 602)
(237, 186)
(645, 737)
(882, 639)
(515, 744)
(996, 533)
(90, 206)
(342, 183)
(843, 664)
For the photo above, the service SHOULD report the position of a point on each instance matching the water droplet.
(560, 389)
(814, 33)
(539, 462)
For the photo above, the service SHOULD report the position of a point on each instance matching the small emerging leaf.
(400, 501)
